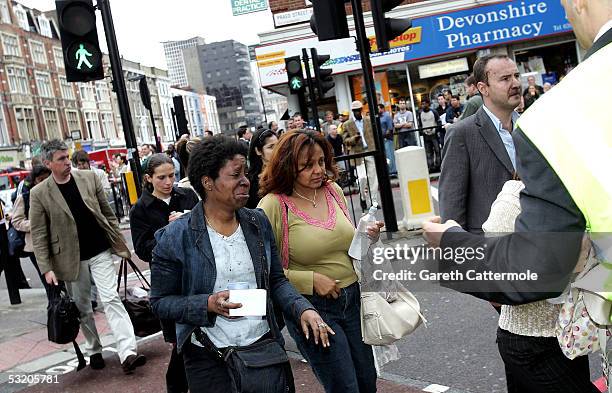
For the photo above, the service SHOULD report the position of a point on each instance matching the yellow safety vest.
(578, 146)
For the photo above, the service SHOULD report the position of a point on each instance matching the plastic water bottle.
(360, 242)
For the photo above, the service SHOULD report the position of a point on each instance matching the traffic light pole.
(363, 45)
(311, 91)
(121, 91)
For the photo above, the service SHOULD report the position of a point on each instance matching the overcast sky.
(142, 24)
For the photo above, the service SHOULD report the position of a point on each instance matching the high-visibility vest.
(577, 143)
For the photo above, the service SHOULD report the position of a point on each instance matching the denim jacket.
(183, 272)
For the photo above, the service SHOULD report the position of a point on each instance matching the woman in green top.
(314, 232)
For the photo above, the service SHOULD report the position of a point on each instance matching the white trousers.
(366, 174)
(105, 277)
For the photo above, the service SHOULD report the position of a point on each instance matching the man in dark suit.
(550, 228)
(479, 156)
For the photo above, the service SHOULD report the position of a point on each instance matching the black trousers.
(176, 380)
(205, 372)
(537, 365)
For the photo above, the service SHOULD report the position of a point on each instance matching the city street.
(457, 350)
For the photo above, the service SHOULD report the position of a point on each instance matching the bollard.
(413, 174)
(128, 178)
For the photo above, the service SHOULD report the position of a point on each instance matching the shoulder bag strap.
(285, 226)
(138, 273)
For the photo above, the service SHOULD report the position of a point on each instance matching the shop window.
(547, 64)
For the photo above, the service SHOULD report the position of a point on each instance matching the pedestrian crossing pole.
(363, 45)
(121, 91)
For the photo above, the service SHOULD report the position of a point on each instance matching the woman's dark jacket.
(183, 272)
(253, 191)
(150, 214)
(147, 216)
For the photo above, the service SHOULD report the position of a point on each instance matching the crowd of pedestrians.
(263, 211)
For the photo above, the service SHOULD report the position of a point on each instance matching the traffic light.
(82, 54)
(387, 29)
(328, 20)
(295, 75)
(323, 77)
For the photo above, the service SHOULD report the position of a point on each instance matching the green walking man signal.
(296, 83)
(81, 55)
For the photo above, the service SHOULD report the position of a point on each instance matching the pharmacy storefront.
(437, 53)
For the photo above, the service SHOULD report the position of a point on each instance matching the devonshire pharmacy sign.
(512, 21)
(430, 36)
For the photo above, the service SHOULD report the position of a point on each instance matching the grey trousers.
(105, 277)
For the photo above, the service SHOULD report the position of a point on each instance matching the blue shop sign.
(486, 26)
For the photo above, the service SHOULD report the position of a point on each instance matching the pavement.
(456, 353)
(30, 363)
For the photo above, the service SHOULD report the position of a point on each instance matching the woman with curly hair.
(313, 231)
(199, 255)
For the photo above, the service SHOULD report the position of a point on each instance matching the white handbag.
(386, 319)
(390, 315)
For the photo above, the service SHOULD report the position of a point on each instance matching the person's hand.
(174, 216)
(374, 231)
(218, 303)
(325, 286)
(50, 278)
(433, 230)
(312, 319)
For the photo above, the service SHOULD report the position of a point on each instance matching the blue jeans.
(347, 366)
(390, 153)
(408, 139)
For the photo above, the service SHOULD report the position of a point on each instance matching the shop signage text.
(493, 21)
(430, 36)
(240, 7)
(443, 68)
(292, 17)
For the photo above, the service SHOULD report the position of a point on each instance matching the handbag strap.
(205, 340)
(123, 273)
(415, 309)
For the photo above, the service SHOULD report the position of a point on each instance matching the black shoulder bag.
(63, 320)
(139, 309)
(262, 367)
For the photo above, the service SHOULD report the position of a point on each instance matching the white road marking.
(435, 388)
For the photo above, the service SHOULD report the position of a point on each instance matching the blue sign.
(486, 26)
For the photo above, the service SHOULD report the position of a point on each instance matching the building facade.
(200, 110)
(174, 59)
(36, 101)
(226, 74)
(437, 53)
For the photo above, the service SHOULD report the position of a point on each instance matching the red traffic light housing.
(323, 77)
(387, 29)
(79, 36)
(295, 76)
(328, 20)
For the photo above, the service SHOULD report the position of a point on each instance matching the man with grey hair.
(71, 206)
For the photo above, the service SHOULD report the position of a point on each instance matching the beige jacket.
(352, 137)
(21, 222)
(53, 229)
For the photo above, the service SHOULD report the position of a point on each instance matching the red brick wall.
(290, 5)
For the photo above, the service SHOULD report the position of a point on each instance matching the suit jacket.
(475, 167)
(548, 235)
(54, 231)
